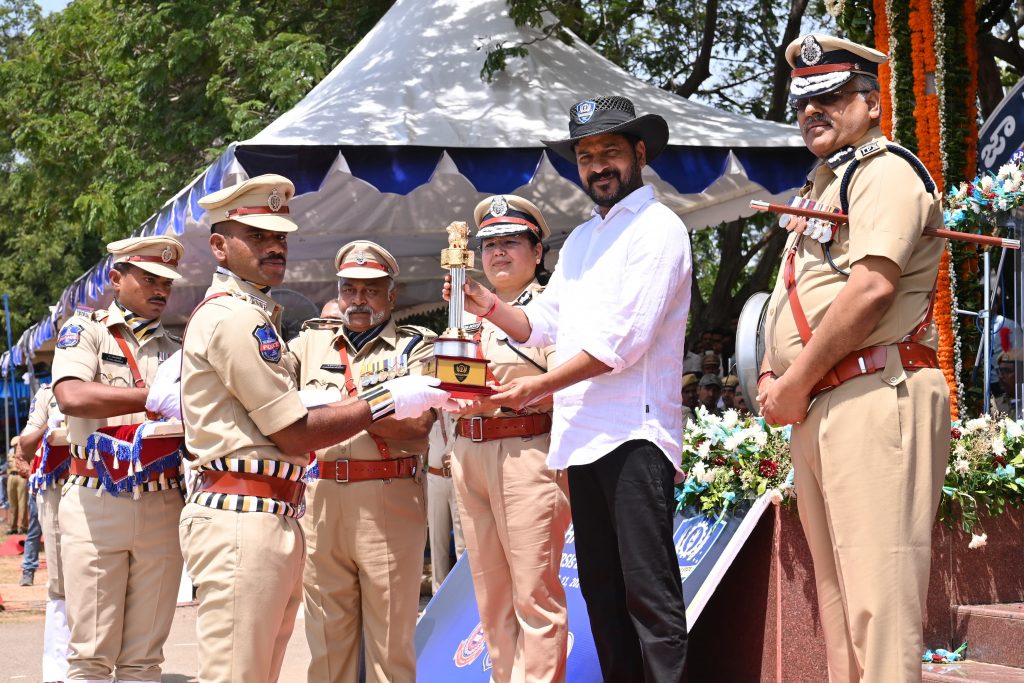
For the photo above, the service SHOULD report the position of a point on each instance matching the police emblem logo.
(274, 200)
(360, 257)
(584, 110)
(167, 255)
(268, 343)
(70, 335)
(499, 206)
(470, 648)
(810, 51)
(461, 371)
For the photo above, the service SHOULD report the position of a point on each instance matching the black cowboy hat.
(611, 115)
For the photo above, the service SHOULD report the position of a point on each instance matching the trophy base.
(461, 376)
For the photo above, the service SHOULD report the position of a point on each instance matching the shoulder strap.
(416, 339)
(902, 153)
(140, 383)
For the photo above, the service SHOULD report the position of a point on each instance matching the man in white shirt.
(615, 309)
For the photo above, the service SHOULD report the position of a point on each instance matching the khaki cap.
(261, 202)
(688, 379)
(158, 255)
(730, 381)
(507, 214)
(823, 63)
(365, 260)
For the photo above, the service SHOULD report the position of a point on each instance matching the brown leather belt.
(490, 428)
(82, 468)
(251, 484)
(445, 471)
(873, 359)
(344, 471)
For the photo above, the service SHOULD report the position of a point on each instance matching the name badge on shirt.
(333, 367)
(113, 358)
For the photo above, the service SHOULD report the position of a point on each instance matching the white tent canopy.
(404, 136)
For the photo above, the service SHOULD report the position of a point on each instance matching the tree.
(728, 53)
(109, 107)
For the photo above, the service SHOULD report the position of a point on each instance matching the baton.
(986, 240)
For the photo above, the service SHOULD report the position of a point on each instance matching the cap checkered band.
(582, 111)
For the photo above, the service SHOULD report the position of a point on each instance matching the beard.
(625, 185)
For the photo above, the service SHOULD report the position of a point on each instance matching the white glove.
(165, 392)
(55, 418)
(312, 398)
(415, 394)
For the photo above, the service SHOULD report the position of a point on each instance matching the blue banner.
(1003, 132)
(450, 643)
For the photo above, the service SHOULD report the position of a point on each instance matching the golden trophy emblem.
(457, 360)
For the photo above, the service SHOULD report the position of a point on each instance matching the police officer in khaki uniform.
(17, 490)
(119, 550)
(250, 433)
(365, 520)
(46, 483)
(514, 509)
(849, 326)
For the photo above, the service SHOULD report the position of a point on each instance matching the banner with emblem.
(450, 644)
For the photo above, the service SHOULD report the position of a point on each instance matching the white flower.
(976, 424)
(734, 441)
(998, 447)
(746, 478)
(1013, 428)
(960, 451)
(962, 465)
(1003, 205)
(961, 192)
(776, 496)
(699, 471)
(1006, 171)
(730, 418)
(760, 437)
(987, 183)
(704, 450)
(978, 541)
(710, 476)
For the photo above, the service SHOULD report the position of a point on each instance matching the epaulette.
(869, 149)
(331, 324)
(100, 316)
(423, 332)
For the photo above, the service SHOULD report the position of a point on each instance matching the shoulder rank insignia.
(472, 328)
(523, 299)
(84, 311)
(870, 149)
(268, 343)
(69, 336)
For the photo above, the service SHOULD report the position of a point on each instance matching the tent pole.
(10, 364)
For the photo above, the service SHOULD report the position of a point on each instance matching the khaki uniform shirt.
(236, 380)
(317, 353)
(87, 350)
(888, 210)
(506, 364)
(39, 411)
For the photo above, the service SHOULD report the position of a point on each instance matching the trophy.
(457, 360)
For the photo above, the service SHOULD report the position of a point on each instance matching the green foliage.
(858, 21)
(904, 120)
(109, 107)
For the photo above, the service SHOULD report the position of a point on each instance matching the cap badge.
(274, 201)
(584, 110)
(499, 206)
(167, 255)
(360, 258)
(810, 51)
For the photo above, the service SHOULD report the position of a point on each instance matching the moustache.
(359, 309)
(273, 258)
(157, 299)
(817, 117)
(611, 173)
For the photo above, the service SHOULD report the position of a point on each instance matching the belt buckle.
(446, 470)
(474, 423)
(300, 497)
(336, 479)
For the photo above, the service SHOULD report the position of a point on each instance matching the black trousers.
(622, 509)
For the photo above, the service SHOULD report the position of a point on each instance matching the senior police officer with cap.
(849, 326)
(119, 546)
(365, 521)
(615, 309)
(250, 435)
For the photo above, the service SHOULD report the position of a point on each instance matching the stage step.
(972, 672)
(993, 633)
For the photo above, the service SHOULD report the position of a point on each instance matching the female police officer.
(514, 509)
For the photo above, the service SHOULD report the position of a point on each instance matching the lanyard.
(132, 365)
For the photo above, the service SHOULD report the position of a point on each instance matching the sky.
(52, 5)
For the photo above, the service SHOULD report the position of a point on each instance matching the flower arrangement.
(985, 454)
(734, 459)
(731, 459)
(981, 202)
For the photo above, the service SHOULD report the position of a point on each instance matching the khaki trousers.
(247, 569)
(121, 566)
(870, 459)
(442, 519)
(48, 504)
(17, 498)
(514, 515)
(365, 541)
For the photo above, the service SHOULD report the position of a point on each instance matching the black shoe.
(27, 577)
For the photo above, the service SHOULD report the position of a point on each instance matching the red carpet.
(14, 545)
